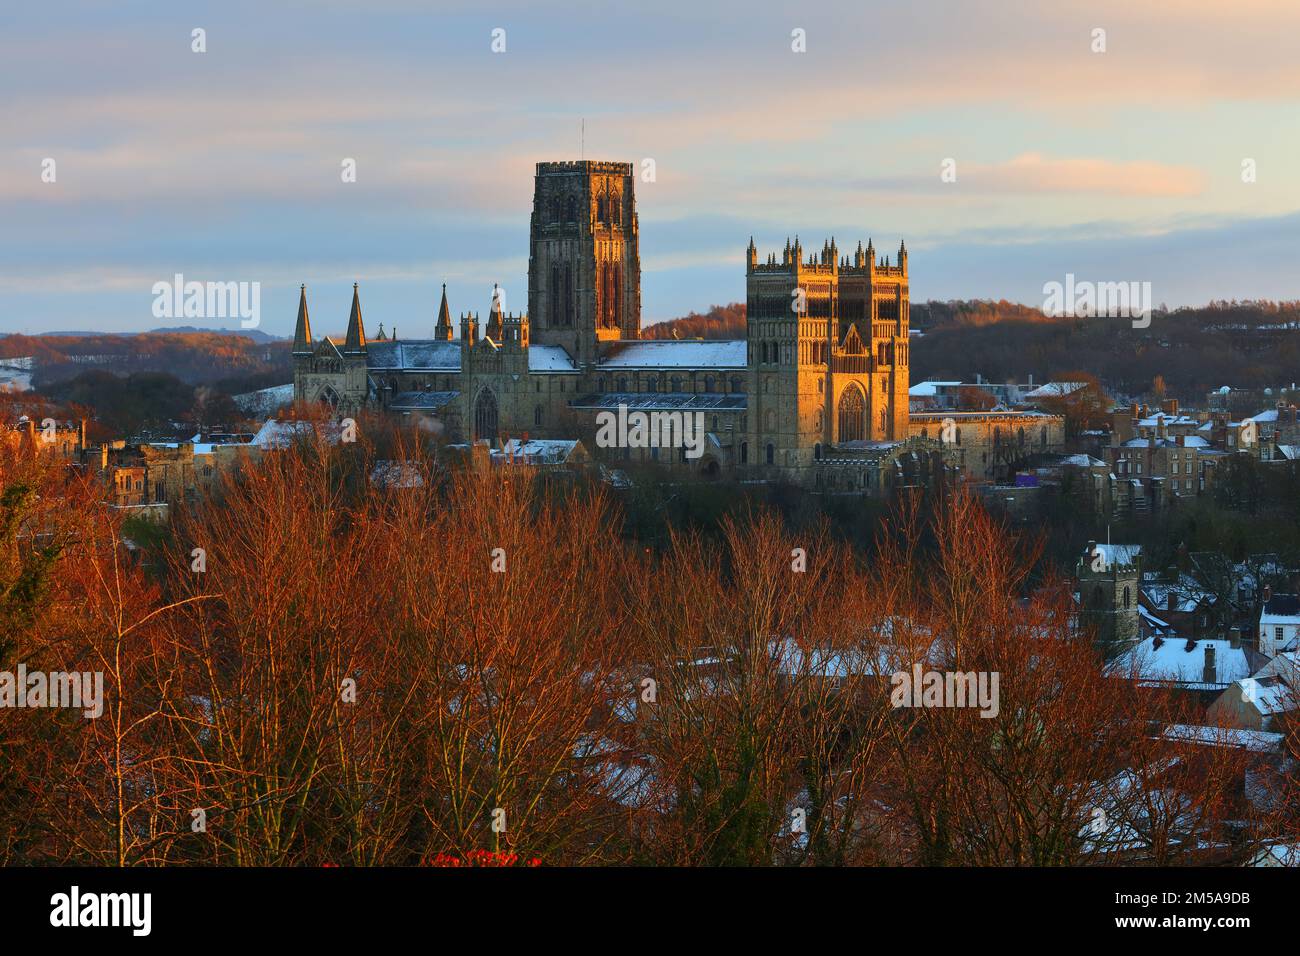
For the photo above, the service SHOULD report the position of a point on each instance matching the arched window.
(485, 415)
(708, 383)
(744, 452)
(621, 384)
(675, 383)
(537, 415)
(997, 436)
(852, 415)
(763, 345)
(1043, 440)
(1020, 437)
(1098, 599)
(600, 384)
(715, 424)
(330, 397)
(771, 454)
(571, 210)
(1126, 597)
(737, 384)
(817, 451)
(652, 385)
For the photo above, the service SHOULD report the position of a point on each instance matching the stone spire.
(355, 343)
(302, 331)
(442, 331)
(494, 326)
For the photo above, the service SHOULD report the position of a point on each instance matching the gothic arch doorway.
(852, 415)
(485, 415)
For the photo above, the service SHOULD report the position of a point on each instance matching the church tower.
(584, 264)
(828, 354)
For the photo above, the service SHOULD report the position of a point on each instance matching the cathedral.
(815, 394)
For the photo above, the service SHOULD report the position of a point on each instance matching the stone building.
(816, 394)
(1109, 577)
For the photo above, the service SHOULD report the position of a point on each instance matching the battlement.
(585, 166)
(792, 261)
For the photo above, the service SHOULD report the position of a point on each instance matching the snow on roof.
(704, 354)
(265, 400)
(1257, 741)
(281, 434)
(1268, 695)
(1277, 854)
(1123, 555)
(1056, 389)
(1280, 609)
(1082, 461)
(424, 354)
(929, 389)
(549, 358)
(542, 451)
(1158, 660)
(1186, 595)
(1151, 618)
(421, 401)
(665, 401)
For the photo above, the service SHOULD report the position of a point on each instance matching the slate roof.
(703, 354)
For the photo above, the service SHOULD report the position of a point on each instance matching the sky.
(227, 165)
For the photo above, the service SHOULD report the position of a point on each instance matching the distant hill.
(196, 357)
(720, 322)
(255, 334)
(1193, 349)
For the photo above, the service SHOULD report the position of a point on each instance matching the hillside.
(196, 358)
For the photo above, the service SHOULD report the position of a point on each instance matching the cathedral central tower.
(584, 266)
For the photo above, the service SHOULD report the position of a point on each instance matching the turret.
(468, 329)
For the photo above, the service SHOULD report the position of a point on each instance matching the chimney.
(1170, 599)
(1211, 673)
(1234, 636)
(1266, 594)
(1180, 440)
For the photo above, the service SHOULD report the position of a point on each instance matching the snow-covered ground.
(16, 374)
